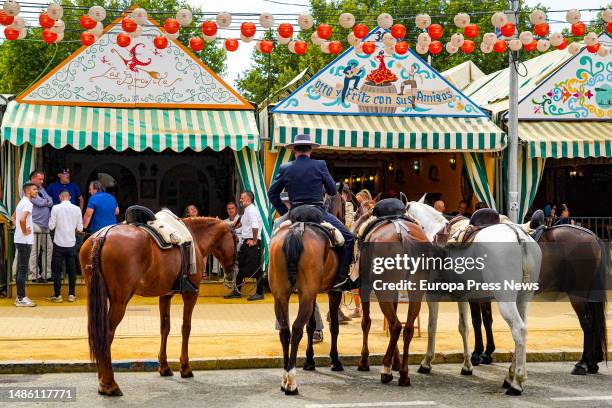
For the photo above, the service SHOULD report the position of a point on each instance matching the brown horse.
(124, 261)
(301, 257)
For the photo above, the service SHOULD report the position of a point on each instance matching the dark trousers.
(23, 260)
(249, 265)
(61, 255)
(349, 240)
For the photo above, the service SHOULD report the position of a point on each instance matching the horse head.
(431, 220)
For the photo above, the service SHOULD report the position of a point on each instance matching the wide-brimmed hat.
(302, 140)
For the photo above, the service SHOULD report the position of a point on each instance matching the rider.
(302, 179)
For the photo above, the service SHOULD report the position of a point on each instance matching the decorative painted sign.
(580, 89)
(383, 84)
(139, 75)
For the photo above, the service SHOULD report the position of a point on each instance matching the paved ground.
(548, 385)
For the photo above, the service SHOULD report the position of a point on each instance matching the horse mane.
(432, 212)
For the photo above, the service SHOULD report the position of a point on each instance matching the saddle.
(385, 211)
(313, 216)
(485, 217)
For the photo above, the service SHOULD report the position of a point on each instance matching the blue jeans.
(349, 240)
(23, 259)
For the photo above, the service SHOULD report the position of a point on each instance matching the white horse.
(513, 312)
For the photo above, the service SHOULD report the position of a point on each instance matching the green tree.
(22, 62)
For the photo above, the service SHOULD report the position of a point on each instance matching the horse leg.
(297, 331)
(335, 297)
(107, 385)
(366, 323)
(395, 365)
(189, 302)
(487, 321)
(598, 345)
(395, 328)
(413, 311)
(476, 324)
(432, 327)
(516, 374)
(164, 318)
(309, 364)
(464, 330)
(582, 311)
(281, 310)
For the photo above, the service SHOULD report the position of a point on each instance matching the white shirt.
(251, 219)
(20, 238)
(65, 220)
(232, 221)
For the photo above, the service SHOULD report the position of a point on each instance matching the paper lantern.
(315, 39)
(266, 46)
(48, 36)
(360, 30)
(486, 48)
(18, 23)
(424, 39)
(389, 51)
(128, 25)
(450, 48)
(11, 8)
(401, 48)
(139, 15)
(461, 20)
(351, 39)
(368, 47)
(335, 47)
(59, 38)
(562, 45)
(537, 17)
(300, 47)
(346, 20)
(231, 44)
(47, 22)
(500, 46)
(5, 19)
(171, 25)
(196, 44)
(422, 21)
(172, 36)
(489, 39)
(541, 29)
(209, 38)
(184, 17)
(11, 33)
(87, 38)
(224, 19)
(87, 22)
(435, 47)
(398, 31)
(24, 33)
(573, 48)
(589, 39)
(609, 27)
(248, 29)
(593, 48)
(578, 29)
(384, 20)
(543, 45)
(324, 47)
(59, 26)
(515, 45)
(471, 31)
(435, 31)
(467, 47)
(305, 21)
(97, 30)
(246, 39)
(282, 40)
(508, 29)
(266, 20)
(160, 42)
(123, 40)
(499, 19)
(532, 46)
(526, 37)
(603, 52)
(324, 31)
(556, 39)
(55, 11)
(209, 28)
(291, 47)
(606, 15)
(572, 16)
(285, 30)
(388, 40)
(97, 13)
(421, 49)
(136, 33)
(457, 40)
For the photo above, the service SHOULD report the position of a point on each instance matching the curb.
(48, 367)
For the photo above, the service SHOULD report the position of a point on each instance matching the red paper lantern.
(593, 48)
(401, 47)
(231, 44)
(578, 29)
(87, 38)
(196, 43)
(541, 29)
(10, 33)
(468, 46)
(209, 28)
(471, 31)
(435, 47)
(563, 45)
(171, 25)
(360, 30)
(609, 27)
(45, 21)
(532, 46)
(335, 47)
(300, 47)
(285, 30)
(49, 36)
(86, 22)
(248, 29)
(324, 31)
(5, 19)
(266, 46)
(129, 25)
(500, 46)
(123, 40)
(435, 31)
(160, 42)
(508, 29)
(398, 31)
(368, 47)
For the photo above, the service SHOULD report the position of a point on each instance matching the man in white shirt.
(24, 239)
(249, 253)
(66, 221)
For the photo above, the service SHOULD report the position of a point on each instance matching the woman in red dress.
(382, 74)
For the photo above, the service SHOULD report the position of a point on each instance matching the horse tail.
(97, 305)
(598, 309)
(293, 248)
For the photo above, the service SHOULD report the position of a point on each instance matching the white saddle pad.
(174, 230)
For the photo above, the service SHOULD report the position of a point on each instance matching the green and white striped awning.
(121, 129)
(395, 133)
(561, 139)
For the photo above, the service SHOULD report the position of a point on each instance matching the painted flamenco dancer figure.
(382, 74)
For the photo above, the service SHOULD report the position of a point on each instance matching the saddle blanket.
(173, 230)
(335, 236)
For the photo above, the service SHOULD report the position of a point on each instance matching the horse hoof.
(404, 380)
(513, 391)
(309, 365)
(486, 359)
(363, 367)
(386, 378)
(506, 384)
(282, 389)
(166, 372)
(114, 393)
(579, 370)
(592, 369)
(395, 368)
(337, 366)
(466, 372)
(187, 374)
(475, 359)
(424, 370)
(294, 392)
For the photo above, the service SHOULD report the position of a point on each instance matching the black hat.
(302, 140)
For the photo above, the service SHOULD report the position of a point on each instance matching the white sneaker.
(56, 299)
(71, 298)
(24, 302)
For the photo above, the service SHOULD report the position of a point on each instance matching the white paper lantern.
(282, 40)
(291, 46)
(346, 20)
(603, 51)
(325, 47)
(55, 11)
(139, 15)
(461, 20)
(97, 13)
(224, 19)
(457, 40)
(384, 20)
(246, 39)
(60, 37)
(515, 45)
(209, 38)
(358, 47)
(572, 16)
(556, 38)
(422, 21)
(351, 39)
(573, 48)
(537, 17)
(18, 23)
(172, 36)
(136, 33)
(388, 40)
(389, 50)
(11, 7)
(543, 45)
(98, 29)
(315, 39)
(424, 39)
(58, 27)
(266, 20)
(526, 37)
(451, 48)
(499, 19)
(489, 39)
(606, 16)
(305, 21)
(590, 38)
(23, 33)
(486, 48)
(421, 49)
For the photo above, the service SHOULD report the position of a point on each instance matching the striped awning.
(561, 139)
(395, 133)
(121, 129)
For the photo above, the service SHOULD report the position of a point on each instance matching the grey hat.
(302, 140)
(284, 196)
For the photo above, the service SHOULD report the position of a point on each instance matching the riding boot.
(342, 282)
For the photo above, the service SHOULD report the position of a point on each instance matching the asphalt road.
(548, 385)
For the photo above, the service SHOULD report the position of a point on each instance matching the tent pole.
(513, 122)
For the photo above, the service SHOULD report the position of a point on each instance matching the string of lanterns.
(428, 40)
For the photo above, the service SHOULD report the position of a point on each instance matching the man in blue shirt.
(102, 208)
(63, 183)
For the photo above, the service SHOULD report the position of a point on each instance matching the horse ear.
(377, 198)
(422, 199)
(403, 198)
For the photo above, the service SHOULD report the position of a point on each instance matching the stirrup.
(184, 285)
(341, 286)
